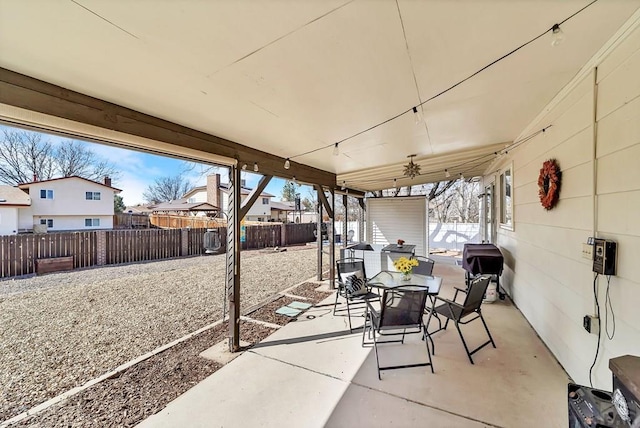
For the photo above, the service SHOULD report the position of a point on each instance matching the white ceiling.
(291, 76)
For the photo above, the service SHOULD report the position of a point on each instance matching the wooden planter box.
(55, 264)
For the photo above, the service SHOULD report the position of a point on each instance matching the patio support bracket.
(323, 198)
(253, 196)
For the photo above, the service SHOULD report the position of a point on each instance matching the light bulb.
(336, 150)
(287, 164)
(447, 173)
(417, 116)
(395, 183)
(294, 179)
(557, 36)
(244, 167)
(461, 176)
(344, 184)
(255, 167)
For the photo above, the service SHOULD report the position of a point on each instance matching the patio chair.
(460, 313)
(425, 266)
(401, 313)
(352, 285)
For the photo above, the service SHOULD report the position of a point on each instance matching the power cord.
(608, 306)
(595, 296)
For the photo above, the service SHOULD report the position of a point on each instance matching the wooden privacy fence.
(167, 221)
(18, 253)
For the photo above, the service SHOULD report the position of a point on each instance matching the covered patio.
(313, 372)
(359, 97)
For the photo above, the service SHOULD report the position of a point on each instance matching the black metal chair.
(401, 309)
(460, 313)
(355, 291)
(425, 266)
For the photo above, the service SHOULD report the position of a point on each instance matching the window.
(47, 221)
(92, 222)
(46, 194)
(506, 198)
(191, 200)
(265, 201)
(92, 196)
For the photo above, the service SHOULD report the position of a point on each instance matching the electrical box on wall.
(604, 256)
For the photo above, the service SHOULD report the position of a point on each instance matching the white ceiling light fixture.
(557, 36)
(411, 169)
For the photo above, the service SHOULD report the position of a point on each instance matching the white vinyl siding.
(390, 219)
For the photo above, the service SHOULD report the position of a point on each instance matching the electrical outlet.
(590, 323)
(587, 251)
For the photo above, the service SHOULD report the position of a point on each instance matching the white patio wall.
(595, 138)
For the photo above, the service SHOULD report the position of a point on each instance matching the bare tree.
(166, 189)
(24, 156)
(74, 158)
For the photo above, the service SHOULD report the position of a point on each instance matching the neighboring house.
(281, 209)
(217, 194)
(140, 209)
(13, 201)
(68, 203)
(183, 207)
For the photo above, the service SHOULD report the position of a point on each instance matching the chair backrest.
(349, 265)
(425, 266)
(475, 294)
(402, 307)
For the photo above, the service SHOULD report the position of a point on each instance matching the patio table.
(391, 279)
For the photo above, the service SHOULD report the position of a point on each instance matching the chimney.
(107, 181)
(213, 190)
(35, 178)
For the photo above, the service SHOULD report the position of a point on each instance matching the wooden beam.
(253, 196)
(233, 258)
(25, 92)
(323, 198)
(351, 192)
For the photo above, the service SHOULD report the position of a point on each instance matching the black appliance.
(626, 388)
(592, 408)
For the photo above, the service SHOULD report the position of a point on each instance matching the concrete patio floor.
(314, 373)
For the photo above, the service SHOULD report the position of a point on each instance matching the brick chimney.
(107, 181)
(213, 190)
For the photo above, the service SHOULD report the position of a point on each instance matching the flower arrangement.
(405, 265)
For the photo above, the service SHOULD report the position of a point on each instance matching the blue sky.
(138, 170)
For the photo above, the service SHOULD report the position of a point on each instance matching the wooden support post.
(361, 237)
(345, 202)
(233, 258)
(332, 243)
(319, 236)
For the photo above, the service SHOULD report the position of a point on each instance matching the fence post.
(101, 247)
(184, 242)
(283, 235)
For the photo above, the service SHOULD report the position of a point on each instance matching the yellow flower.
(405, 265)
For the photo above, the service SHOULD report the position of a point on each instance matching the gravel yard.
(61, 330)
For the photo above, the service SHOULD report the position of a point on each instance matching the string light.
(244, 167)
(294, 180)
(447, 173)
(395, 183)
(417, 116)
(462, 176)
(287, 164)
(255, 167)
(557, 35)
(344, 184)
